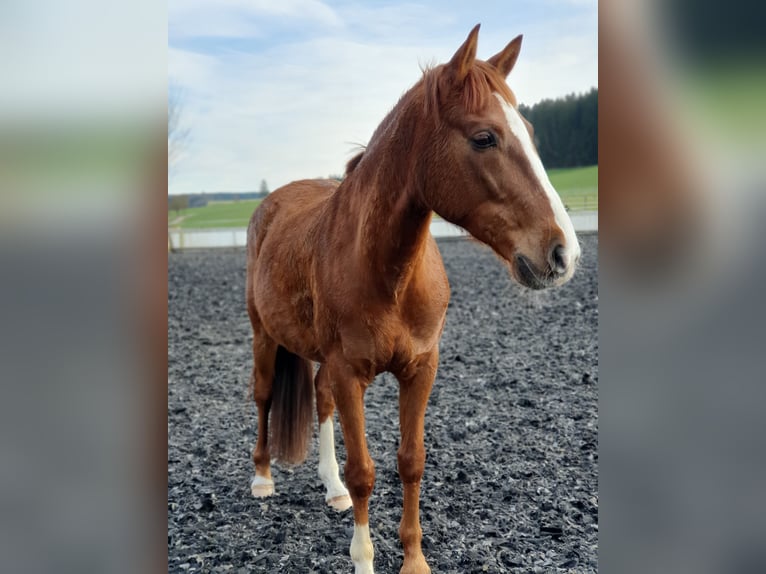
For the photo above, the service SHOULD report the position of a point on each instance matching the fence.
(583, 221)
(581, 200)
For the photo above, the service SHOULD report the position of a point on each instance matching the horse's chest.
(421, 331)
(395, 337)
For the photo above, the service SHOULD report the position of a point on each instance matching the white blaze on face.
(362, 553)
(518, 129)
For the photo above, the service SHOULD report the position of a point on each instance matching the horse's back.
(290, 210)
(280, 255)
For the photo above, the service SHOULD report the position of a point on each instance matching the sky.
(285, 90)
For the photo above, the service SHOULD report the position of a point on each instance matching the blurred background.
(682, 181)
(83, 176)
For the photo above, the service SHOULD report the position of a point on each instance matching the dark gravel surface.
(511, 433)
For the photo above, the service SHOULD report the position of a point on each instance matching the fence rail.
(584, 221)
(581, 202)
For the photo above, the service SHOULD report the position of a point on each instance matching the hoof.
(415, 565)
(262, 487)
(340, 503)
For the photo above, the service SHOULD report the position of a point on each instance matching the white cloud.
(286, 116)
(190, 69)
(551, 70)
(241, 18)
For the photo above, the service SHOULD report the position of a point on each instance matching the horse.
(347, 275)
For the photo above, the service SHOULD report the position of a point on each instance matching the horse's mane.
(480, 83)
(354, 161)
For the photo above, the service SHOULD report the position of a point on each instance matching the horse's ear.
(504, 60)
(461, 62)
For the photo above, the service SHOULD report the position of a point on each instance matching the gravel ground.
(511, 433)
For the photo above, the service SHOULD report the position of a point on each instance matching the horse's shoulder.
(433, 276)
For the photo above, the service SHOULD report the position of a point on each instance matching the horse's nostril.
(557, 259)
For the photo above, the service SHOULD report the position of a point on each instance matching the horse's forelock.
(481, 82)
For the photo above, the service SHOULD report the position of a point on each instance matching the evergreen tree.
(566, 129)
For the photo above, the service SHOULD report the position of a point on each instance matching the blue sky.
(284, 90)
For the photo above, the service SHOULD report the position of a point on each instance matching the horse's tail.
(292, 408)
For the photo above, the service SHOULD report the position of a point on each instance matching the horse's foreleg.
(264, 355)
(414, 387)
(337, 495)
(348, 392)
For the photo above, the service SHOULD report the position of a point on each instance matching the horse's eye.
(483, 140)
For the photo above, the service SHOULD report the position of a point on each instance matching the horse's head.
(481, 169)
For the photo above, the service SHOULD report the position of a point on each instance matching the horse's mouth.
(527, 275)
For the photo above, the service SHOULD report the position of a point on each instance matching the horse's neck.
(393, 229)
(380, 202)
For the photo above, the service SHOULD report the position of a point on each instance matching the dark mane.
(353, 162)
(481, 82)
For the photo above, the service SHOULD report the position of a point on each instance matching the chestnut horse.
(347, 275)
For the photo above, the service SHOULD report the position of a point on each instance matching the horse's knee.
(262, 390)
(263, 400)
(360, 478)
(412, 463)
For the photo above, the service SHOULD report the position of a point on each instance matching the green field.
(578, 188)
(214, 214)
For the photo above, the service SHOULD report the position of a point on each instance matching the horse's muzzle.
(527, 275)
(530, 276)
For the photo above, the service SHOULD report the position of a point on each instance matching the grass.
(578, 188)
(214, 214)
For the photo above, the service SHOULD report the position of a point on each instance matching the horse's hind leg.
(337, 496)
(264, 357)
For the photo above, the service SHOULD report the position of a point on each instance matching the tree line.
(566, 129)
(178, 202)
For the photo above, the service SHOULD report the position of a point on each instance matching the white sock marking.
(572, 246)
(362, 552)
(261, 486)
(328, 465)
